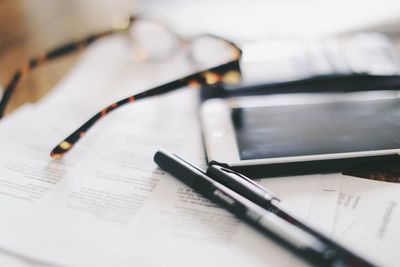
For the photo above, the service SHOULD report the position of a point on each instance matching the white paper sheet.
(260, 19)
(116, 190)
(106, 203)
(323, 208)
(368, 217)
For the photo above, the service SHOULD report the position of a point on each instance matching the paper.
(106, 203)
(296, 192)
(28, 135)
(262, 19)
(117, 191)
(368, 217)
(323, 208)
(321, 190)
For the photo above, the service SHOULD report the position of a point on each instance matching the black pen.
(297, 240)
(267, 200)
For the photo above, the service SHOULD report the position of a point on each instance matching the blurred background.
(28, 28)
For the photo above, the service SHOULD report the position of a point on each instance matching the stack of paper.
(107, 204)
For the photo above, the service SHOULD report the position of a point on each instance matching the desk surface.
(28, 28)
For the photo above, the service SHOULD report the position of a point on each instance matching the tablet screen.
(314, 129)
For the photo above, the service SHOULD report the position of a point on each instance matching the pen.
(267, 200)
(294, 238)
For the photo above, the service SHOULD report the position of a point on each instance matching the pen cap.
(182, 170)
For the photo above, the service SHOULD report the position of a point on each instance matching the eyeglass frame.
(228, 72)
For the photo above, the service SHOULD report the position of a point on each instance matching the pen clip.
(267, 193)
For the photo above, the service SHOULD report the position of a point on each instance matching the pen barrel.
(304, 244)
(345, 256)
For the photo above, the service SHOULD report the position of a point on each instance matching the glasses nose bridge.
(152, 40)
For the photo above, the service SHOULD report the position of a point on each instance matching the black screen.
(296, 130)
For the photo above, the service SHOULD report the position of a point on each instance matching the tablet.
(283, 135)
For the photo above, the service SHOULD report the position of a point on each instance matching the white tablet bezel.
(219, 134)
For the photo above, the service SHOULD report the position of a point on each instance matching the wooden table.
(28, 28)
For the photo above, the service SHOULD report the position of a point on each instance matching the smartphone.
(302, 133)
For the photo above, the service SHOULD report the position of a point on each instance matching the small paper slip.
(323, 208)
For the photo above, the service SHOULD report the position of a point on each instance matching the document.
(263, 19)
(28, 135)
(121, 209)
(106, 203)
(368, 217)
(323, 208)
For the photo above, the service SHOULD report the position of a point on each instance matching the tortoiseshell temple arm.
(229, 72)
(53, 54)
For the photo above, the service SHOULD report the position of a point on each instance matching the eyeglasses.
(215, 59)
